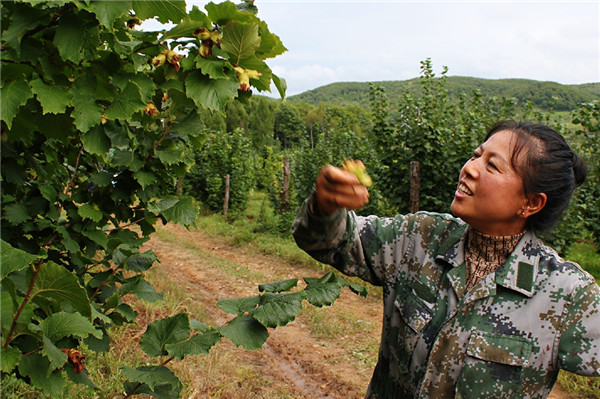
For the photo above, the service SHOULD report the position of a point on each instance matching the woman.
(475, 305)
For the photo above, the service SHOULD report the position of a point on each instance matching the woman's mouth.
(463, 189)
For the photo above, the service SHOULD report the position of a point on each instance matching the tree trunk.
(415, 185)
(285, 190)
(226, 201)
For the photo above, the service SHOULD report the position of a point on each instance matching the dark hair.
(550, 166)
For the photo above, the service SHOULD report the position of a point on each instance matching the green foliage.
(99, 122)
(222, 154)
(522, 90)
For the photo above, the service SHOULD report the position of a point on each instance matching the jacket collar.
(519, 271)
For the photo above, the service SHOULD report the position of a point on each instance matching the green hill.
(540, 93)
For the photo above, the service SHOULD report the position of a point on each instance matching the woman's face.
(490, 196)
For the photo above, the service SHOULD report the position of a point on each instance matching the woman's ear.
(535, 203)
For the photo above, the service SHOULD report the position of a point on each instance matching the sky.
(365, 41)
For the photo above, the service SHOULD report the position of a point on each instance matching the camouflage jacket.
(505, 338)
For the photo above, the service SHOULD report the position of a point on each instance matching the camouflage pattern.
(505, 338)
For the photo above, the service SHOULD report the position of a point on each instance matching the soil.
(296, 359)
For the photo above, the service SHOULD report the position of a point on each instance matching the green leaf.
(141, 262)
(90, 211)
(165, 10)
(187, 27)
(198, 325)
(107, 11)
(54, 99)
(323, 291)
(240, 41)
(49, 192)
(86, 113)
(245, 331)
(56, 356)
(13, 259)
(170, 330)
(7, 307)
(198, 344)
(270, 44)
(127, 103)
(210, 93)
(98, 236)
(23, 20)
(238, 305)
(278, 309)
(169, 156)
(141, 289)
(16, 213)
(214, 68)
(280, 84)
(179, 210)
(9, 358)
(37, 368)
(56, 282)
(12, 96)
(144, 178)
(225, 12)
(95, 141)
(279, 286)
(160, 380)
(62, 324)
(70, 37)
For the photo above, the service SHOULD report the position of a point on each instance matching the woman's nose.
(470, 168)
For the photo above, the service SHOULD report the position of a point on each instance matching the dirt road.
(324, 353)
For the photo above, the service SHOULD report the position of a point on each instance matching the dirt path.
(309, 358)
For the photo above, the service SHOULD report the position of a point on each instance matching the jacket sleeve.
(336, 240)
(579, 347)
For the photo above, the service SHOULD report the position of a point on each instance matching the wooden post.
(226, 201)
(415, 185)
(285, 190)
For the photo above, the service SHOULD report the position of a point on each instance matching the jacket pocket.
(493, 366)
(415, 315)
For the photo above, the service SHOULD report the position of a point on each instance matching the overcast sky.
(360, 41)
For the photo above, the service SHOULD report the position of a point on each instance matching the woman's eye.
(492, 165)
(476, 155)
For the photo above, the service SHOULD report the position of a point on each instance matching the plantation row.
(250, 142)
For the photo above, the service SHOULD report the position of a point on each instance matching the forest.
(110, 132)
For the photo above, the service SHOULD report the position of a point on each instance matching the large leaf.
(278, 309)
(56, 282)
(12, 96)
(279, 286)
(128, 102)
(238, 305)
(212, 94)
(37, 368)
(13, 259)
(179, 210)
(165, 10)
(95, 141)
(140, 288)
(107, 11)
(70, 37)
(323, 291)
(9, 358)
(56, 356)
(141, 262)
(86, 113)
(24, 19)
(54, 99)
(170, 330)
(198, 344)
(240, 41)
(270, 44)
(90, 211)
(161, 381)
(63, 324)
(16, 213)
(245, 331)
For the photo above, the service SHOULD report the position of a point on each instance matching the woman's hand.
(336, 189)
